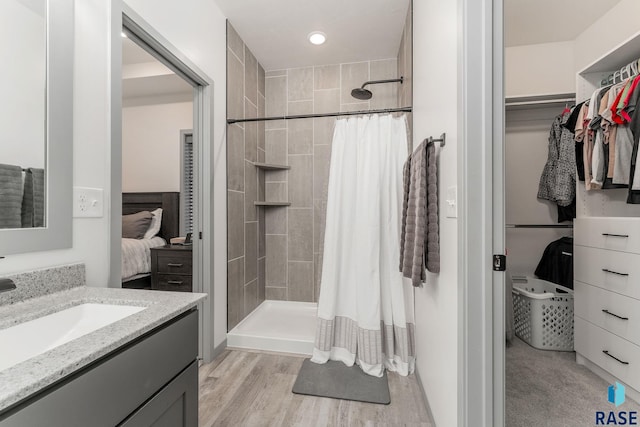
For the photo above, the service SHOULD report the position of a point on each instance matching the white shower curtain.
(365, 308)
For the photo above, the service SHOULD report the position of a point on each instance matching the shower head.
(361, 93)
(364, 94)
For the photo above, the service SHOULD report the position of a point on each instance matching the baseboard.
(219, 349)
(424, 396)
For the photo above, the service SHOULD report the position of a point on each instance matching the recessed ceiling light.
(317, 37)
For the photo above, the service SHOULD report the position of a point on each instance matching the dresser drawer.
(622, 358)
(172, 282)
(171, 262)
(616, 271)
(611, 311)
(619, 234)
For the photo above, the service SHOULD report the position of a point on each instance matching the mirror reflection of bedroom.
(157, 174)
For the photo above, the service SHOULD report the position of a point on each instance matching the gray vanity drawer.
(108, 391)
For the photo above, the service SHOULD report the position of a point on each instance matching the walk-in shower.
(364, 94)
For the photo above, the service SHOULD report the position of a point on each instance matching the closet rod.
(541, 102)
(539, 226)
(313, 116)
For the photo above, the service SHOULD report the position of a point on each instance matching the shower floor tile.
(283, 326)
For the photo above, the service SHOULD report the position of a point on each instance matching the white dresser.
(607, 297)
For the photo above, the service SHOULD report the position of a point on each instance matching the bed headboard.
(169, 202)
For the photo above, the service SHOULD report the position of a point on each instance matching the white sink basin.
(29, 339)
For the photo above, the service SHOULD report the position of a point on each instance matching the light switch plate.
(451, 202)
(88, 202)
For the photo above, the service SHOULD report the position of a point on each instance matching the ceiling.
(546, 21)
(154, 84)
(357, 30)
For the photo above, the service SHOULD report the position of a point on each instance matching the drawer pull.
(174, 282)
(614, 315)
(615, 235)
(171, 264)
(613, 357)
(606, 270)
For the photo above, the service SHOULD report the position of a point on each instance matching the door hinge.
(200, 235)
(499, 262)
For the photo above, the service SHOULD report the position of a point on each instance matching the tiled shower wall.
(245, 184)
(405, 63)
(295, 234)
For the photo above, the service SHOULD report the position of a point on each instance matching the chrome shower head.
(364, 94)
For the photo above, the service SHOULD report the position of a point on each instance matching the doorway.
(200, 130)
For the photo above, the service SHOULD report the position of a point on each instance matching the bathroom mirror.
(36, 165)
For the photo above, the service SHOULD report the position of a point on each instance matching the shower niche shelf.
(271, 167)
(272, 204)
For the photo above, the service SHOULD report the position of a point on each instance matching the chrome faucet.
(7, 285)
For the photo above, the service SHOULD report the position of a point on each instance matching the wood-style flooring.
(241, 388)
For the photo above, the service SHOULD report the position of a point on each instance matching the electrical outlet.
(88, 202)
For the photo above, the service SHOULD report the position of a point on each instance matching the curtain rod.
(313, 116)
(539, 225)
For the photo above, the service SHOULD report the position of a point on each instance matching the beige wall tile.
(250, 133)
(301, 181)
(275, 294)
(301, 284)
(234, 42)
(300, 84)
(326, 77)
(352, 75)
(235, 292)
(235, 222)
(299, 107)
(276, 191)
(250, 297)
(300, 238)
(276, 96)
(250, 76)
(321, 164)
(250, 192)
(300, 136)
(276, 221)
(326, 101)
(261, 124)
(275, 150)
(251, 251)
(317, 274)
(235, 158)
(384, 95)
(319, 220)
(261, 77)
(276, 263)
(356, 106)
(261, 280)
(262, 222)
(235, 87)
(275, 73)
(323, 130)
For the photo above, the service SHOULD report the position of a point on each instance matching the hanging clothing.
(556, 264)
(365, 307)
(558, 179)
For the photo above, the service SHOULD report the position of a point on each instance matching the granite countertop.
(27, 378)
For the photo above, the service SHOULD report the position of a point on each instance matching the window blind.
(187, 184)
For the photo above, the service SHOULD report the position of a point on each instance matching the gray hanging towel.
(10, 196)
(420, 236)
(33, 198)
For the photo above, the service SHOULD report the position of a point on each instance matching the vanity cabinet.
(152, 380)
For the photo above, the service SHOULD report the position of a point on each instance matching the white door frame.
(481, 227)
(122, 16)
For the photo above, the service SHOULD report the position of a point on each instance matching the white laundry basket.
(543, 313)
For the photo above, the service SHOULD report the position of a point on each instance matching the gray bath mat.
(336, 380)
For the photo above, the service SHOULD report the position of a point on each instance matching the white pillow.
(154, 227)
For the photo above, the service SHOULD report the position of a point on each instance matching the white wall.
(615, 26)
(22, 84)
(91, 135)
(151, 146)
(435, 110)
(539, 69)
(198, 29)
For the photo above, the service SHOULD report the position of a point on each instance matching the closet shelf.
(272, 204)
(271, 167)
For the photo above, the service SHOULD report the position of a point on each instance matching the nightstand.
(171, 268)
